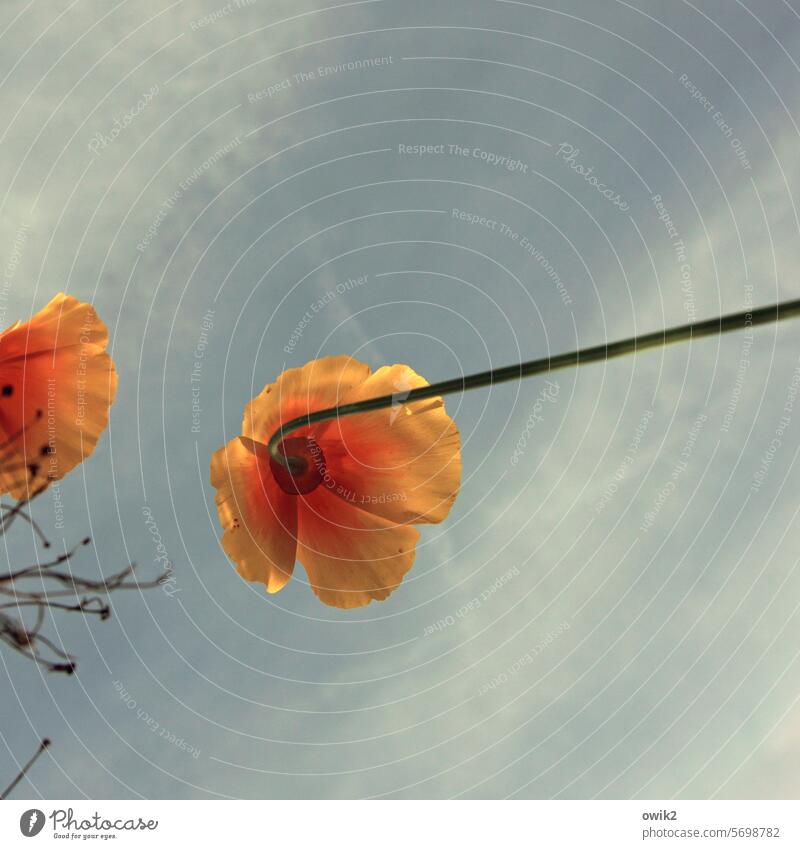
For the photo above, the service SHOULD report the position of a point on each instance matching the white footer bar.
(402, 824)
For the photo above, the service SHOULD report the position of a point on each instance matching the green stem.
(694, 330)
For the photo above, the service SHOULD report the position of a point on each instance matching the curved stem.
(710, 327)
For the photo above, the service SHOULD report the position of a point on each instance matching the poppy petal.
(56, 386)
(402, 463)
(351, 557)
(316, 386)
(259, 519)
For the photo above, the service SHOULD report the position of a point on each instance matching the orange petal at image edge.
(57, 383)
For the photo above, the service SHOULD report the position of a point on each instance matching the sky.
(610, 610)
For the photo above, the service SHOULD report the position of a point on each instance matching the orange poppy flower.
(57, 383)
(360, 483)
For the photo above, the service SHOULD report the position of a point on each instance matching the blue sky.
(207, 172)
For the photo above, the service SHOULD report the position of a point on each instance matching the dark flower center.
(306, 465)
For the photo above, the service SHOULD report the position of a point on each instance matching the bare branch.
(23, 772)
(43, 587)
